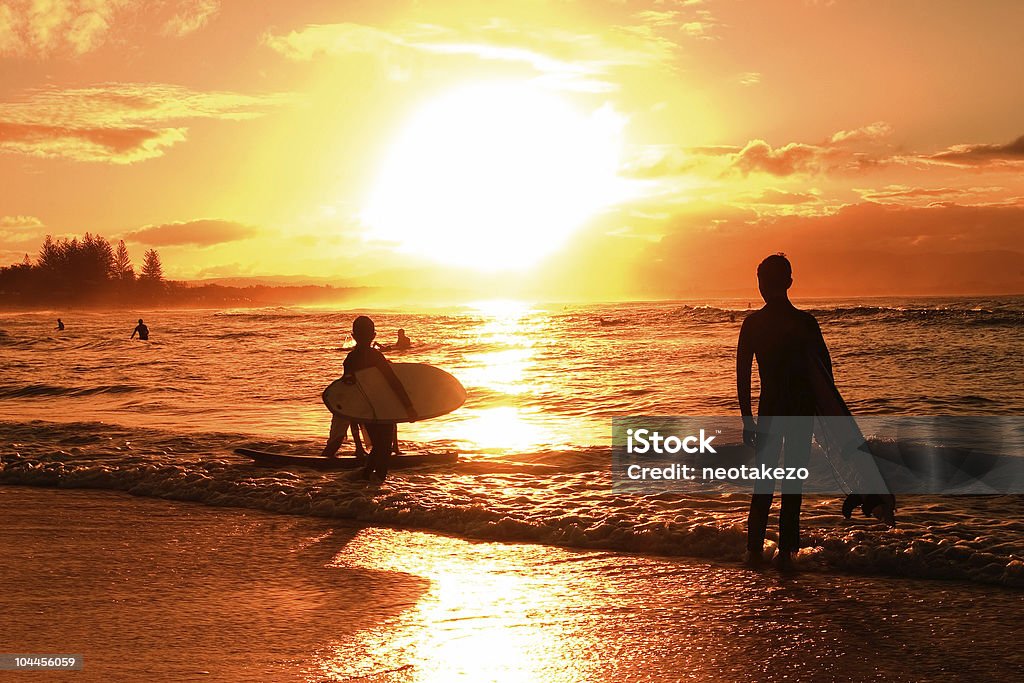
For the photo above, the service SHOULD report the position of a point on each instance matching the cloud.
(118, 145)
(660, 161)
(117, 123)
(853, 151)
(871, 133)
(566, 59)
(689, 18)
(1009, 154)
(846, 151)
(191, 17)
(333, 39)
(915, 195)
(773, 196)
(859, 249)
(904, 192)
(203, 233)
(758, 155)
(40, 28)
(749, 78)
(20, 222)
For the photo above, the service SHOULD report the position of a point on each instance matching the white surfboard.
(369, 398)
(844, 445)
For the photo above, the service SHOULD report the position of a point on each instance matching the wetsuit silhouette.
(60, 324)
(382, 436)
(141, 330)
(784, 340)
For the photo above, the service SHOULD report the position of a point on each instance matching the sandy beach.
(158, 590)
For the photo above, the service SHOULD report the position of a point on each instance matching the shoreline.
(191, 592)
(567, 506)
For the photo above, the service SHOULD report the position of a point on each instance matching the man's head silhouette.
(774, 276)
(363, 330)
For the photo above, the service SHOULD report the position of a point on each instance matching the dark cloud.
(980, 155)
(203, 233)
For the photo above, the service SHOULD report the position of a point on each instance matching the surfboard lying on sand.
(328, 464)
(845, 447)
(369, 398)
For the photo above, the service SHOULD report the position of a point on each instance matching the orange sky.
(599, 149)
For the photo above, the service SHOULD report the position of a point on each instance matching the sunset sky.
(564, 149)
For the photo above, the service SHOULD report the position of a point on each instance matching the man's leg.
(339, 426)
(797, 454)
(360, 450)
(768, 447)
(381, 438)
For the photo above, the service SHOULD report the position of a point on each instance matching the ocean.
(89, 408)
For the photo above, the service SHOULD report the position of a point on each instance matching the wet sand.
(154, 590)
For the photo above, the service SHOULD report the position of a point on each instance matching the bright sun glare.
(495, 176)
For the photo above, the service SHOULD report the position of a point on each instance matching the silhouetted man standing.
(785, 341)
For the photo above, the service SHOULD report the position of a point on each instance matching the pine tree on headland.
(152, 271)
(123, 269)
(93, 262)
(49, 254)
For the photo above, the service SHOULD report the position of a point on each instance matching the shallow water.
(553, 497)
(189, 592)
(87, 408)
(537, 376)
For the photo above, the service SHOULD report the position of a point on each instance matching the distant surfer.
(403, 341)
(60, 325)
(140, 330)
(782, 338)
(383, 437)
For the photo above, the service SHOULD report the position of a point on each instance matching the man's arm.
(744, 366)
(133, 333)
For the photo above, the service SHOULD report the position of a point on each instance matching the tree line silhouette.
(71, 271)
(91, 272)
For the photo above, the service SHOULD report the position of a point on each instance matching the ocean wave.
(40, 390)
(273, 313)
(995, 316)
(559, 497)
(923, 315)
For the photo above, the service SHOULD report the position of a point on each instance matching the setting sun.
(494, 176)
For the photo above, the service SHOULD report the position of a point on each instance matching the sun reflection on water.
(497, 380)
(505, 428)
(482, 618)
